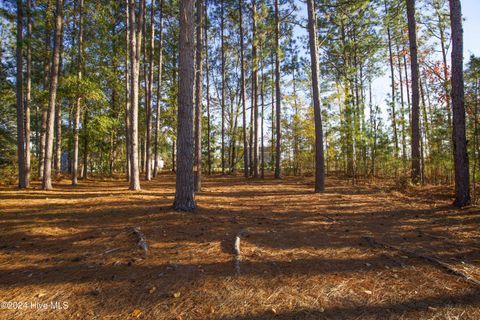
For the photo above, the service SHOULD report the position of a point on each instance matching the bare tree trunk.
(22, 178)
(262, 146)
(159, 88)
(46, 71)
(278, 141)
(47, 171)
(85, 145)
(28, 90)
(58, 117)
(209, 152)
(255, 89)
(149, 105)
(319, 156)
(198, 98)
(412, 35)
(393, 103)
(462, 183)
(184, 188)
(243, 95)
(135, 50)
(78, 107)
(222, 40)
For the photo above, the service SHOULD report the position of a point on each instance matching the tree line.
(220, 86)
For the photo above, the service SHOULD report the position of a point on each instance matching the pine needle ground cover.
(351, 253)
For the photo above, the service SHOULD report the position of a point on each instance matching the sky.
(471, 27)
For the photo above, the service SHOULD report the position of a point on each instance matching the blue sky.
(471, 27)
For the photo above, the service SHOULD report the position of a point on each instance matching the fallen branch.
(141, 239)
(374, 243)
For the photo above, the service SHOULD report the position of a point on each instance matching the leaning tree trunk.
(319, 156)
(278, 139)
(47, 170)
(76, 122)
(242, 80)
(412, 35)
(198, 98)
(184, 188)
(462, 183)
(22, 178)
(159, 88)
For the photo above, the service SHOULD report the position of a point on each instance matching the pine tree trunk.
(209, 152)
(47, 170)
(135, 50)
(28, 90)
(254, 89)
(149, 106)
(278, 139)
(198, 97)
(222, 41)
(184, 188)
(412, 35)
(78, 106)
(58, 117)
(159, 88)
(319, 156)
(243, 94)
(462, 183)
(22, 181)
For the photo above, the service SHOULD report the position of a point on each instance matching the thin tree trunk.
(319, 156)
(127, 89)
(209, 152)
(222, 41)
(58, 117)
(462, 183)
(85, 145)
(149, 105)
(159, 88)
(47, 171)
(198, 98)
(243, 95)
(278, 141)
(28, 90)
(78, 107)
(184, 188)
(412, 35)
(254, 89)
(22, 178)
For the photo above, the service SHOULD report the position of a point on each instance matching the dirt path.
(303, 256)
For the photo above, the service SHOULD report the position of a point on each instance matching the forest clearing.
(303, 255)
(240, 159)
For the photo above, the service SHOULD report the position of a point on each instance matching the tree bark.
(412, 35)
(159, 88)
(319, 156)
(47, 170)
(254, 89)
(278, 141)
(58, 117)
(243, 94)
(462, 183)
(209, 152)
(184, 187)
(149, 106)
(135, 50)
(22, 178)
(222, 41)
(78, 106)
(198, 98)
(28, 90)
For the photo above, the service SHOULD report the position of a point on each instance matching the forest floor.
(351, 253)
